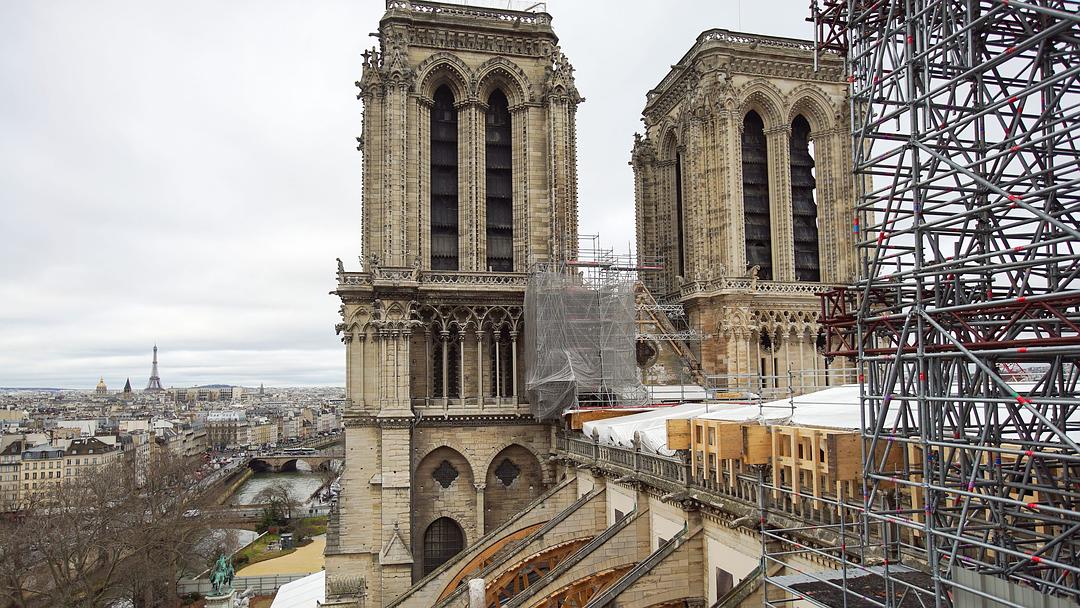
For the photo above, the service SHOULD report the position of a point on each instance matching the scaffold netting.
(579, 344)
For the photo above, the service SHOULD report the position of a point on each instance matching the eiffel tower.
(155, 382)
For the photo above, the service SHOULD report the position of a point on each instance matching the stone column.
(783, 241)
(423, 181)
(444, 335)
(381, 366)
(362, 339)
(372, 137)
(347, 338)
(480, 508)
(479, 368)
(562, 165)
(519, 129)
(513, 367)
(471, 207)
(394, 179)
(428, 365)
(694, 201)
(461, 366)
(498, 380)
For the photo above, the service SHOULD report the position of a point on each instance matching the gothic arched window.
(755, 177)
(804, 209)
(444, 181)
(499, 184)
(443, 540)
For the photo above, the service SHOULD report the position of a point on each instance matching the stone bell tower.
(469, 180)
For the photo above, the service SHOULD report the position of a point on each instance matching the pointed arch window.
(442, 541)
(499, 184)
(755, 175)
(444, 181)
(804, 209)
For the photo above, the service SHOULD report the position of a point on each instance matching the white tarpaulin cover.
(651, 425)
(307, 592)
(836, 407)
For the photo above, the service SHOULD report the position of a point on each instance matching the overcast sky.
(186, 173)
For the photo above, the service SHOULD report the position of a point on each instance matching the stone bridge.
(280, 463)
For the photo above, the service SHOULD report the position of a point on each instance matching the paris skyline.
(186, 175)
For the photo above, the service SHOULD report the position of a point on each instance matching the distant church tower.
(154, 386)
(469, 180)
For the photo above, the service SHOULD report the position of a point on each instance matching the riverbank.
(235, 485)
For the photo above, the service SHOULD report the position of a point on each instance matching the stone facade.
(752, 295)
(469, 181)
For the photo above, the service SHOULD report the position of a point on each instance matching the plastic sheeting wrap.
(579, 344)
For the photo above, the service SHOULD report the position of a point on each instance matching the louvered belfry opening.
(755, 170)
(444, 181)
(804, 209)
(499, 184)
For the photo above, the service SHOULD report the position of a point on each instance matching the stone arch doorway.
(514, 479)
(443, 539)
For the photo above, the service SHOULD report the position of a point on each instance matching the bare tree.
(281, 496)
(115, 532)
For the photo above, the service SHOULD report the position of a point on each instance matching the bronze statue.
(221, 576)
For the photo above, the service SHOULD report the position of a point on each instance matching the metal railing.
(763, 388)
(662, 469)
(262, 585)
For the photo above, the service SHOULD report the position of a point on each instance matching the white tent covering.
(651, 425)
(836, 407)
(307, 592)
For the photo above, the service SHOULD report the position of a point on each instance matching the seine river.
(302, 484)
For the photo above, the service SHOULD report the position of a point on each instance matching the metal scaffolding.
(965, 320)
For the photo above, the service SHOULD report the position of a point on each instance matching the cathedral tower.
(469, 180)
(743, 188)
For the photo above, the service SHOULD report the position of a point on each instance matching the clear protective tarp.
(580, 344)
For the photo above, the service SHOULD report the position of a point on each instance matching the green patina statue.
(222, 575)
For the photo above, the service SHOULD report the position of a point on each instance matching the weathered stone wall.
(476, 452)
